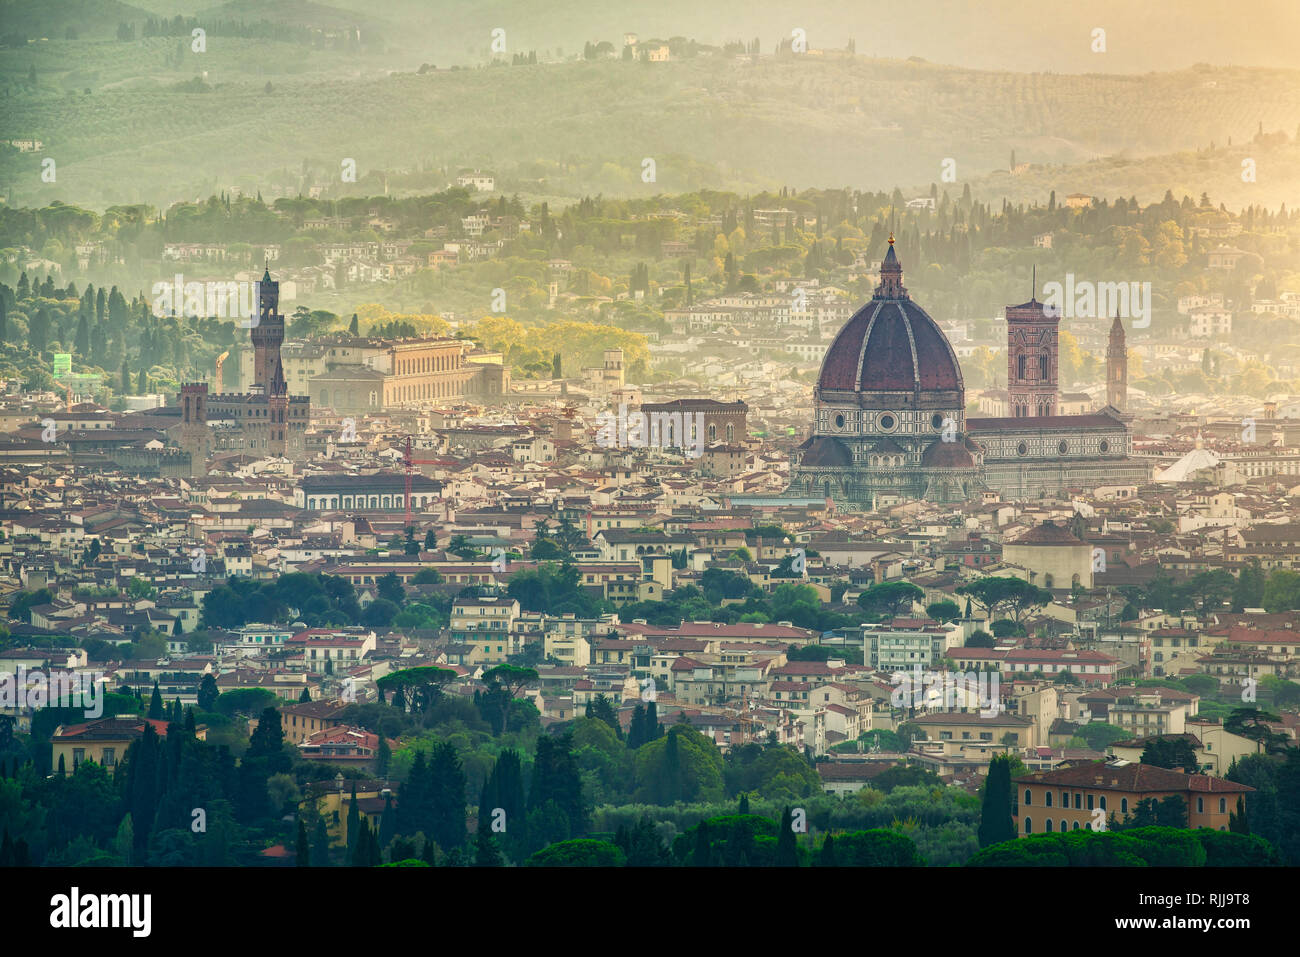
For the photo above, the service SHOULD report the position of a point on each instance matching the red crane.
(410, 462)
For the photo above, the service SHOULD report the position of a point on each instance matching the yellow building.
(104, 741)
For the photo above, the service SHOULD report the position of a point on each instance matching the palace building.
(265, 420)
(889, 419)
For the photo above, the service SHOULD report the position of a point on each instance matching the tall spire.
(1033, 285)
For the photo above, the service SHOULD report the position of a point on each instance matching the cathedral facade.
(890, 414)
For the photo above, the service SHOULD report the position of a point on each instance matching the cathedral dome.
(890, 345)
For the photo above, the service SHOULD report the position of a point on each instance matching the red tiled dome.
(890, 345)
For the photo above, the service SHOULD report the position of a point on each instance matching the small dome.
(822, 452)
(947, 455)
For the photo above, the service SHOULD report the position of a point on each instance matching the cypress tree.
(744, 804)
(156, 704)
(1237, 819)
(486, 852)
(828, 852)
(786, 855)
(703, 856)
(354, 820)
(304, 853)
(320, 844)
(387, 823)
(361, 851)
(996, 824)
(447, 787)
(413, 804)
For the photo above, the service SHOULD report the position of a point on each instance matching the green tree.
(786, 851)
(890, 599)
(996, 822)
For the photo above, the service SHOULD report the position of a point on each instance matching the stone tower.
(195, 438)
(1032, 353)
(1117, 367)
(268, 335)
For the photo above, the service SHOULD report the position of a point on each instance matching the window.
(1029, 825)
(1049, 799)
(1200, 805)
(110, 756)
(1078, 800)
(1048, 826)
(1089, 802)
(1027, 792)
(1223, 805)
(1123, 805)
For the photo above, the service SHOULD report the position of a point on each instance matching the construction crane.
(220, 359)
(410, 463)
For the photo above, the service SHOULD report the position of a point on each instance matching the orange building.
(1068, 799)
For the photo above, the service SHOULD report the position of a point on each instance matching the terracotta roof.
(1134, 778)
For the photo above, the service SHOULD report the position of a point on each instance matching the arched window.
(1028, 794)
(1029, 826)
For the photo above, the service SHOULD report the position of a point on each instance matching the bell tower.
(1032, 355)
(1116, 367)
